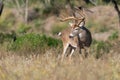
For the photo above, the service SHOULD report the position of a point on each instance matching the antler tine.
(74, 17)
(70, 18)
(80, 10)
(82, 13)
(80, 21)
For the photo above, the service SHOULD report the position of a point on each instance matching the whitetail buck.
(75, 36)
(83, 35)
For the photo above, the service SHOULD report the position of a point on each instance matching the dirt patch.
(101, 36)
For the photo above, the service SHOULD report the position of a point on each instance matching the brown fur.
(76, 41)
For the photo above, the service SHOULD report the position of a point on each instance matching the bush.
(23, 28)
(114, 36)
(7, 37)
(33, 42)
(100, 48)
(7, 21)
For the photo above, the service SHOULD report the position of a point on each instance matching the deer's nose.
(71, 36)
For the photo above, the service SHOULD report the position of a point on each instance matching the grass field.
(36, 57)
(49, 67)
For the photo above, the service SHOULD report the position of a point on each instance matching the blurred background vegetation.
(26, 20)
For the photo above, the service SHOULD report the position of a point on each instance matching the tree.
(117, 9)
(22, 9)
(1, 7)
(115, 6)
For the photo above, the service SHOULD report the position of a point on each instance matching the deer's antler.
(75, 17)
(71, 18)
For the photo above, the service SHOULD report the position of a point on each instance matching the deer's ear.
(71, 24)
(81, 24)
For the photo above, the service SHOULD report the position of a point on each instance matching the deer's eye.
(76, 28)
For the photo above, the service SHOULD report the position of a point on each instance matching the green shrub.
(103, 29)
(6, 37)
(99, 48)
(1, 37)
(23, 28)
(33, 42)
(38, 23)
(114, 35)
(7, 21)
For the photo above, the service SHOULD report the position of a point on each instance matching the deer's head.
(79, 21)
(77, 29)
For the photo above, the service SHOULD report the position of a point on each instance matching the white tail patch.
(59, 34)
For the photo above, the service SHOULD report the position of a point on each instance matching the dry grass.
(48, 67)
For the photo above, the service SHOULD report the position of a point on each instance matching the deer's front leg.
(65, 46)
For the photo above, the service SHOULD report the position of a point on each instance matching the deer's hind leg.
(86, 52)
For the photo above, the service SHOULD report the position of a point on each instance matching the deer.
(76, 35)
(83, 35)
